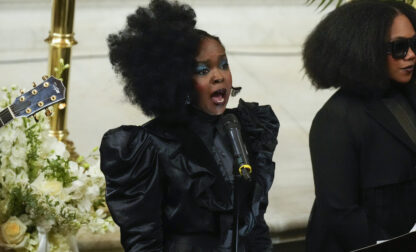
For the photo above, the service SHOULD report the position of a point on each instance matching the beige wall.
(95, 101)
(263, 38)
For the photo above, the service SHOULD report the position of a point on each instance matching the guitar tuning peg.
(36, 117)
(22, 91)
(48, 112)
(34, 84)
(45, 77)
(62, 105)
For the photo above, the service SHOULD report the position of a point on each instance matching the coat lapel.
(410, 93)
(379, 112)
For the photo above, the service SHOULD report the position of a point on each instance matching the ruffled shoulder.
(259, 124)
(259, 127)
(120, 148)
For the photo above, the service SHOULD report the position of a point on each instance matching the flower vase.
(43, 240)
(56, 242)
(73, 244)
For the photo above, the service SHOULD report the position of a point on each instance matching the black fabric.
(167, 192)
(364, 167)
(404, 114)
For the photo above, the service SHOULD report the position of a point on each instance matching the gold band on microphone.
(246, 166)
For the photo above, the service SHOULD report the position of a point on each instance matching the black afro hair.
(155, 55)
(348, 48)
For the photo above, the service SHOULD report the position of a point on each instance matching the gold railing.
(60, 40)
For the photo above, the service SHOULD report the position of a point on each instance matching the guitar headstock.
(45, 94)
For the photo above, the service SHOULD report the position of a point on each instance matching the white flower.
(7, 137)
(95, 171)
(58, 243)
(17, 123)
(29, 168)
(55, 147)
(10, 177)
(48, 186)
(100, 213)
(51, 148)
(22, 178)
(18, 157)
(9, 134)
(92, 192)
(13, 231)
(75, 170)
(45, 225)
(59, 149)
(25, 219)
(85, 205)
(75, 191)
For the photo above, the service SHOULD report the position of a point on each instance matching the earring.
(187, 100)
(235, 91)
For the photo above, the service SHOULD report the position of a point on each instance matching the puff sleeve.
(129, 162)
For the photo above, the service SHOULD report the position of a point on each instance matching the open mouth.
(409, 68)
(218, 97)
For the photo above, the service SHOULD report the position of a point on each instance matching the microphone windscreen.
(230, 121)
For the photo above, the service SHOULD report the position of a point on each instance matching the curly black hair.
(155, 55)
(348, 47)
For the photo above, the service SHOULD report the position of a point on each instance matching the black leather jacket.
(166, 192)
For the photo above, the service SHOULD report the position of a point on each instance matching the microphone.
(232, 127)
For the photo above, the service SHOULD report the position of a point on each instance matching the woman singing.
(170, 182)
(363, 140)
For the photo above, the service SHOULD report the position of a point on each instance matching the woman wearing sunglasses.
(363, 140)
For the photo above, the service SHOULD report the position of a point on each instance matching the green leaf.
(323, 2)
(59, 169)
(326, 6)
(80, 159)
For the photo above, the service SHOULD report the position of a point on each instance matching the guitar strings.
(5, 116)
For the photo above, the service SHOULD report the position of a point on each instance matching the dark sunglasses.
(399, 48)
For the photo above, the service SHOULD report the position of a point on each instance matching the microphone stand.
(239, 180)
(236, 209)
(242, 169)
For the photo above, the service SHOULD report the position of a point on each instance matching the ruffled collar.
(200, 115)
(259, 128)
(203, 125)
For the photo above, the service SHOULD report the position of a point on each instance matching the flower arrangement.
(44, 197)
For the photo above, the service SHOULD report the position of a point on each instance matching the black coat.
(166, 192)
(364, 167)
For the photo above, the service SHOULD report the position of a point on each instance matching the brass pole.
(60, 40)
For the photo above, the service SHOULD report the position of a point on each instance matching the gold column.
(60, 40)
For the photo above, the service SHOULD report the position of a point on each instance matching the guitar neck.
(5, 116)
